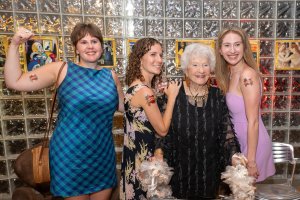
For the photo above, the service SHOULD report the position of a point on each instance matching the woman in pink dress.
(238, 77)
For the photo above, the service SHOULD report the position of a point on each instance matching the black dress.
(139, 137)
(199, 145)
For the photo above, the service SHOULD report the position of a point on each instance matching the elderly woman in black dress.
(201, 141)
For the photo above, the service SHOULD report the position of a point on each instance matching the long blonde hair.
(222, 71)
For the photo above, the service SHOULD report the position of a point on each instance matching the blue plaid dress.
(82, 154)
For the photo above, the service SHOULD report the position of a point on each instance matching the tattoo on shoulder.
(150, 99)
(33, 77)
(248, 81)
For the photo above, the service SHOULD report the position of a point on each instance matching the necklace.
(197, 100)
(193, 96)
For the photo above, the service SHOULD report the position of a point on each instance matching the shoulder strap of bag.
(49, 124)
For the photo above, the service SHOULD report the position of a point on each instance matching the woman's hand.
(252, 169)
(21, 36)
(172, 89)
(158, 155)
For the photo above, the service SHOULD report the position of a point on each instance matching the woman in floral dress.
(143, 119)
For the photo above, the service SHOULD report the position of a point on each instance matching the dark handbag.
(32, 165)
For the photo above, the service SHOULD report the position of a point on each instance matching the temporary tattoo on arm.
(248, 82)
(33, 77)
(150, 99)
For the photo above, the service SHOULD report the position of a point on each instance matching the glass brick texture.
(248, 9)
(93, 7)
(23, 117)
(28, 5)
(192, 8)
(49, 6)
(6, 5)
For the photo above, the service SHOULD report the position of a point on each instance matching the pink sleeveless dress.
(264, 157)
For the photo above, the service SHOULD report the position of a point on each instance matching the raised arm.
(42, 77)
(145, 98)
(250, 87)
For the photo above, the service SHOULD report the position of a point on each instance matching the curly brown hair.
(140, 48)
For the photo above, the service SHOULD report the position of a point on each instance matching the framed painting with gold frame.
(181, 44)
(130, 43)
(255, 48)
(40, 50)
(287, 55)
(3, 49)
(109, 56)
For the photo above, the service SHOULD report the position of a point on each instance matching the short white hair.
(196, 50)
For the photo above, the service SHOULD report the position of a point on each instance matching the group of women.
(199, 126)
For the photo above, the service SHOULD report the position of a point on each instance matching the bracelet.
(251, 164)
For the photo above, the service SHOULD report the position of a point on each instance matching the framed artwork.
(287, 55)
(39, 51)
(255, 47)
(3, 49)
(130, 44)
(108, 58)
(181, 44)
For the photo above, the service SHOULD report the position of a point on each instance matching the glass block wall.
(24, 115)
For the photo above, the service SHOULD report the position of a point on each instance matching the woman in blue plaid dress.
(82, 155)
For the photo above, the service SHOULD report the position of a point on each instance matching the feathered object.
(240, 183)
(154, 177)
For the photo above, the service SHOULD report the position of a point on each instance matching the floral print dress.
(139, 144)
